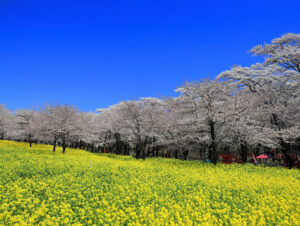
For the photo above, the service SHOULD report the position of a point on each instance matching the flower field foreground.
(38, 186)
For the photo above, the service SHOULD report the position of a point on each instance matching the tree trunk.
(156, 151)
(76, 144)
(213, 156)
(244, 151)
(176, 154)
(150, 152)
(29, 140)
(118, 143)
(185, 154)
(54, 145)
(285, 147)
(168, 154)
(126, 149)
(64, 150)
(201, 152)
(64, 146)
(137, 151)
(143, 151)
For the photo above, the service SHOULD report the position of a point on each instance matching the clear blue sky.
(93, 54)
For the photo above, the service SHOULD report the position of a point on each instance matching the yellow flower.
(66, 220)
(38, 186)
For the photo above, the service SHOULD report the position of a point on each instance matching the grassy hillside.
(39, 186)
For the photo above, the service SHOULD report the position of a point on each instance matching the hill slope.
(39, 186)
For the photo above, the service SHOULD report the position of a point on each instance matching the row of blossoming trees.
(245, 109)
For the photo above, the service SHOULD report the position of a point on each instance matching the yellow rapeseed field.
(38, 186)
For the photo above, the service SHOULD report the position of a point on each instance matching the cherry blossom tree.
(209, 106)
(112, 132)
(137, 122)
(26, 125)
(5, 122)
(283, 51)
(276, 91)
(60, 123)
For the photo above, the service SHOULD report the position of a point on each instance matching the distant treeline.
(244, 109)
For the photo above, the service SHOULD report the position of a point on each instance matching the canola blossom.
(38, 186)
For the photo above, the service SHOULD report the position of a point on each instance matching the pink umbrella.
(264, 156)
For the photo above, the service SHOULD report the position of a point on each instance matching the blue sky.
(92, 54)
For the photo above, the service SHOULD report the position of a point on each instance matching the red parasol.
(264, 156)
